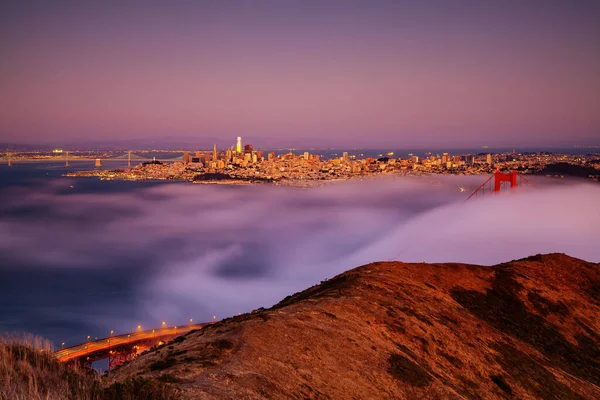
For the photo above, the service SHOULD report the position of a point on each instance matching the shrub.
(162, 364)
(28, 370)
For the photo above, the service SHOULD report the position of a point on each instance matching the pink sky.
(387, 73)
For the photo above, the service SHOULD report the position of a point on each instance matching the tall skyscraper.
(215, 154)
(345, 156)
(488, 159)
(238, 146)
(186, 157)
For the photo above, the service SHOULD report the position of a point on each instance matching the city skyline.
(312, 74)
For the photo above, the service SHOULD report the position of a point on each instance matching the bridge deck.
(105, 344)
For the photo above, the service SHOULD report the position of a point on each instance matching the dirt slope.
(524, 329)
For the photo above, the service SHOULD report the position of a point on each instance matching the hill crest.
(526, 328)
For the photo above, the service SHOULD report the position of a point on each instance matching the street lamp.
(214, 318)
(175, 330)
(139, 328)
(88, 338)
(190, 321)
(164, 324)
(62, 345)
(111, 333)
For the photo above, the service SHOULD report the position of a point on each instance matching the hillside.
(522, 329)
(29, 371)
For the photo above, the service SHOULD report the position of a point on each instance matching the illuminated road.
(100, 348)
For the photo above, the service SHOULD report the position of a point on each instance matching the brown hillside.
(524, 329)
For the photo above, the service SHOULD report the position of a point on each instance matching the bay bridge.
(128, 156)
(121, 348)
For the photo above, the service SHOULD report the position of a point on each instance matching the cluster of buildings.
(235, 155)
(242, 163)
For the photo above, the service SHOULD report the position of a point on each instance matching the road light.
(139, 328)
(190, 321)
(62, 345)
(214, 318)
(164, 324)
(175, 330)
(88, 338)
(111, 333)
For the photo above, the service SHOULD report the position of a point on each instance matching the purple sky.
(352, 73)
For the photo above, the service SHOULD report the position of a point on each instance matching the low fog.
(178, 251)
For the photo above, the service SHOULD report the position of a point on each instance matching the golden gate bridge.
(497, 181)
(122, 348)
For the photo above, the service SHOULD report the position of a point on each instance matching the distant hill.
(563, 168)
(522, 329)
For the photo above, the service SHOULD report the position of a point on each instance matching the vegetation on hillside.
(29, 371)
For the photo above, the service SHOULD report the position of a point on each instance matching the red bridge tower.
(499, 179)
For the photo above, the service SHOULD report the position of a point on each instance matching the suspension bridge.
(497, 182)
(129, 157)
(121, 348)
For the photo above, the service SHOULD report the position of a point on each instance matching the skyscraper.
(186, 157)
(238, 146)
(488, 159)
(215, 154)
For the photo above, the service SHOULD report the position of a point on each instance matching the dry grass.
(527, 329)
(29, 371)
